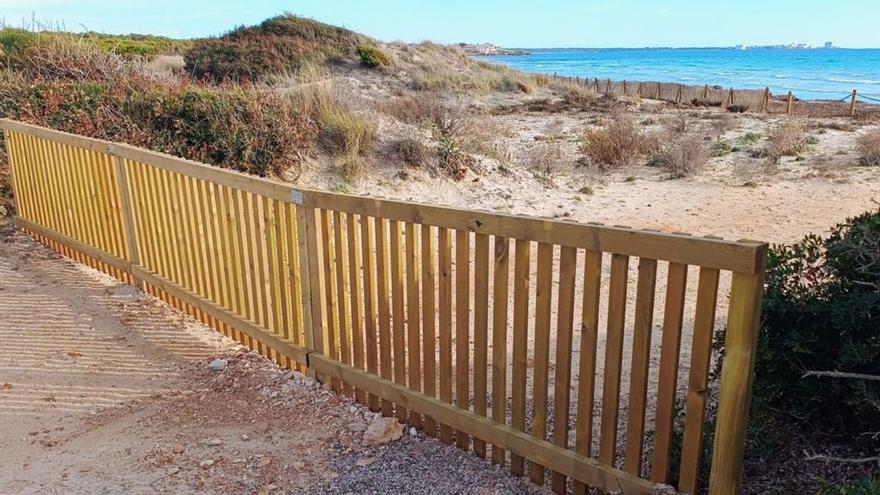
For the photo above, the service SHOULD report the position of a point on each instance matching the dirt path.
(105, 390)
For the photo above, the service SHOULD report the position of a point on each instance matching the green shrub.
(721, 148)
(821, 312)
(373, 57)
(277, 45)
(750, 138)
(248, 130)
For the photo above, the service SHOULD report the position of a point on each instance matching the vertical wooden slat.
(368, 240)
(429, 337)
(522, 262)
(239, 295)
(698, 381)
(295, 275)
(330, 292)
(413, 315)
(641, 355)
(543, 311)
(587, 362)
(398, 311)
(613, 358)
(481, 330)
(501, 270)
(382, 274)
(737, 375)
(462, 328)
(222, 257)
(196, 222)
(164, 233)
(314, 335)
(445, 316)
(281, 276)
(355, 267)
(343, 296)
(274, 255)
(115, 221)
(260, 278)
(562, 382)
(261, 221)
(673, 316)
(304, 259)
(268, 247)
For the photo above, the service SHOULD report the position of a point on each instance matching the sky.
(510, 23)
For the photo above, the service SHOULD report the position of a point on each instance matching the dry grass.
(617, 144)
(788, 139)
(409, 151)
(544, 160)
(437, 67)
(869, 149)
(420, 109)
(684, 157)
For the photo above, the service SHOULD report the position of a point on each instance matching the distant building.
(828, 44)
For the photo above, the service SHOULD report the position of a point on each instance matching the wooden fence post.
(639, 89)
(678, 94)
(312, 310)
(765, 102)
(737, 372)
(706, 92)
(608, 87)
(852, 105)
(125, 204)
(596, 83)
(790, 103)
(658, 91)
(624, 87)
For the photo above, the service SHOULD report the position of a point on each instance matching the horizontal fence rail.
(501, 334)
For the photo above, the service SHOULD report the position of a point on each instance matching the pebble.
(298, 465)
(245, 437)
(413, 432)
(357, 426)
(366, 461)
(310, 382)
(217, 365)
(206, 463)
(173, 470)
(352, 409)
(178, 449)
(214, 442)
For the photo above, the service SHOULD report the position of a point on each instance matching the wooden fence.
(742, 100)
(416, 311)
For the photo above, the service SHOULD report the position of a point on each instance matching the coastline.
(810, 74)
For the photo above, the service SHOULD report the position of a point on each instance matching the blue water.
(809, 74)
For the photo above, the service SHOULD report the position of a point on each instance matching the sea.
(809, 73)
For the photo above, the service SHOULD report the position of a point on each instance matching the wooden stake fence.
(382, 298)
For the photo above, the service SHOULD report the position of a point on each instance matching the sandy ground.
(105, 390)
(737, 196)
